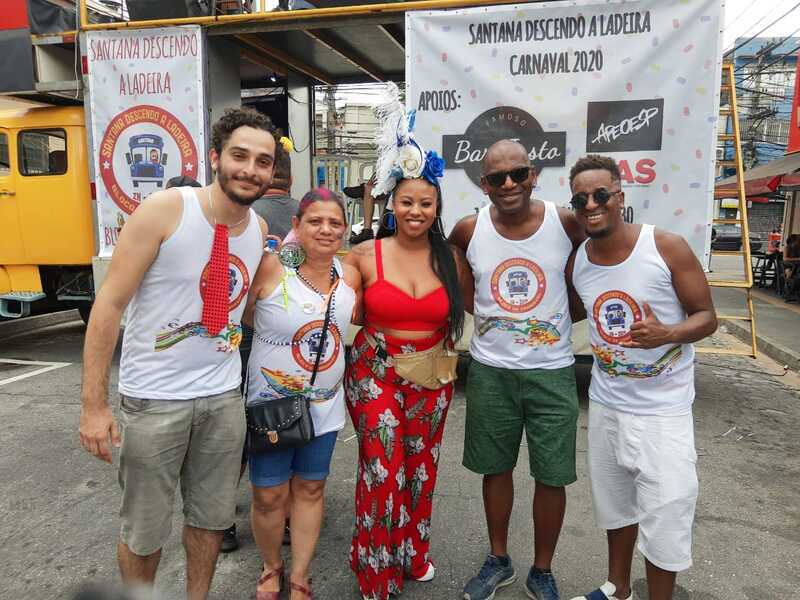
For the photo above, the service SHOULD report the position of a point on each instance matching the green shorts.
(500, 402)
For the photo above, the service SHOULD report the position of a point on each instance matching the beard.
(225, 178)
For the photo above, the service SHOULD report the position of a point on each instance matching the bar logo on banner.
(624, 125)
(466, 151)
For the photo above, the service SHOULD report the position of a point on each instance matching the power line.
(747, 41)
(768, 48)
(741, 14)
(763, 69)
(755, 24)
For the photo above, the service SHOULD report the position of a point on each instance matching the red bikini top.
(386, 305)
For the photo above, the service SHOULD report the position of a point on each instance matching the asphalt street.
(58, 513)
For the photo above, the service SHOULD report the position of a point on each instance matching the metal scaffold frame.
(363, 9)
(728, 88)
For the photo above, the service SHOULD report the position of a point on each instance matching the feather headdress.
(399, 154)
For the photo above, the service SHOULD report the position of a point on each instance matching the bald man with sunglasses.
(521, 377)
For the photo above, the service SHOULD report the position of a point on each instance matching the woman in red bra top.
(415, 282)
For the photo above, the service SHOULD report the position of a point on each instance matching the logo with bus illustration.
(306, 345)
(238, 281)
(141, 149)
(614, 312)
(518, 285)
(146, 159)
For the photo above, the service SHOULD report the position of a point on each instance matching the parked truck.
(47, 233)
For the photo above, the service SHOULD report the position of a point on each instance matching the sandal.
(301, 589)
(266, 577)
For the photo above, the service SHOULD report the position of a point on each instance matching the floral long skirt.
(399, 426)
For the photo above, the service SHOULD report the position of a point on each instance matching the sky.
(744, 18)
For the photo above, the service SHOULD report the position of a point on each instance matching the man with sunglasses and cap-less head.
(521, 376)
(647, 301)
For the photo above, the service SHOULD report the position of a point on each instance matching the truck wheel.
(85, 309)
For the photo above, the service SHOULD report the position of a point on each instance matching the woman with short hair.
(287, 306)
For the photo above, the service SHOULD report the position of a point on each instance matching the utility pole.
(330, 101)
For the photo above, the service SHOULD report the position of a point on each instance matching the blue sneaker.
(541, 585)
(496, 572)
(607, 591)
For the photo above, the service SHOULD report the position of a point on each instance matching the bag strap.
(324, 335)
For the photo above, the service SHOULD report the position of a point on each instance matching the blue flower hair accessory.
(399, 155)
(434, 167)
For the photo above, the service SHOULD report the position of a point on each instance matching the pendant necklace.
(308, 307)
(213, 216)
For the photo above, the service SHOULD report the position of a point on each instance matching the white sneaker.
(429, 574)
(604, 592)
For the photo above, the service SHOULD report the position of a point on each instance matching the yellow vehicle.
(47, 235)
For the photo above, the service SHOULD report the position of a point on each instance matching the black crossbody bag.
(286, 422)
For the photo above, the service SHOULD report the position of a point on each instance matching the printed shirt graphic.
(285, 345)
(613, 314)
(642, 381)
(295, 376)
(521, 309)
(230, 337)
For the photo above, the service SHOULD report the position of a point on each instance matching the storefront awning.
(781, 174)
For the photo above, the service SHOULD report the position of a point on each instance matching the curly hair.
(594, 162)
(232, 119)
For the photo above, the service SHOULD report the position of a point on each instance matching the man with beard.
(647, 301)
(184, 262)
(521, 376)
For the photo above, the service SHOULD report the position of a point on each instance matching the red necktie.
(215, 299)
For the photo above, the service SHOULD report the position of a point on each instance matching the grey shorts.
(195, 442)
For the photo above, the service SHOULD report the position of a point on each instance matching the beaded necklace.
(285, 293)
(311, 285)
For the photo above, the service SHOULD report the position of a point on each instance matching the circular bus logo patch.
(518, 285)
(305, 345)
(141, 149)
(238, 281)
(614, 312)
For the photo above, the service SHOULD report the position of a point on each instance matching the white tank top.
(166, 353)
(288, 324)
(659, 381)
(521, 307)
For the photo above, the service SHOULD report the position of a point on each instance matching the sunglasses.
(517, 176)
(601, 196)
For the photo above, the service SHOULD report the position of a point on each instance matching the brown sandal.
(301, 589)
(266, 577)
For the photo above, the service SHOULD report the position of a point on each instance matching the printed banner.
(637, 80)
(146, 102)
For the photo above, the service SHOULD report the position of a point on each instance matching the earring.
(292, 255)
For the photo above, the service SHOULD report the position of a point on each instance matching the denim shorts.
(312, 462)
